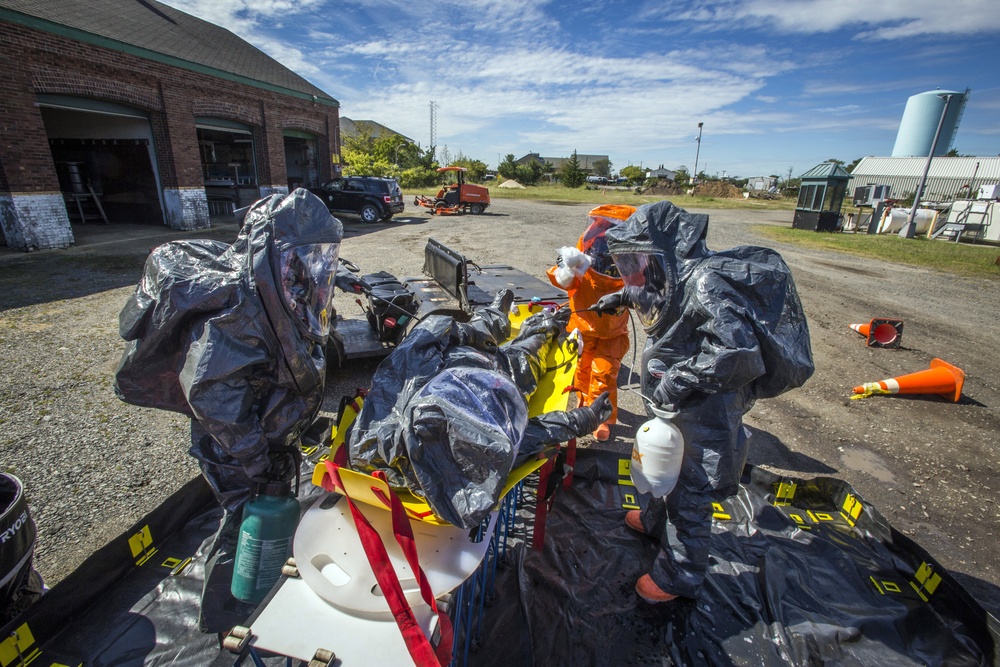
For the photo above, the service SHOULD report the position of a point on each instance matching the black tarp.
(789, 584)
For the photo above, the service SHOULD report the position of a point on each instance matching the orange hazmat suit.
(605, 338)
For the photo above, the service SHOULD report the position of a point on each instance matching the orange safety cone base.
(941, 378)
(957, 373)
(881, 332)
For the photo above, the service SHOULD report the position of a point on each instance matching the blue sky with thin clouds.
(779, 84)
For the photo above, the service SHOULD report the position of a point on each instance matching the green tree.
(602, 167)
(529, 173)
(850, 167)
(635, 175)
(507, 168)
(476, 168)
(572, 174)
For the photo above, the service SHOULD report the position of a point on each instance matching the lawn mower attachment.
(457, 197)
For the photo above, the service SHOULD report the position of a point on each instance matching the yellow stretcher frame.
(551, 394)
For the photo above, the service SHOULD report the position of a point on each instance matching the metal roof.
(948, 178)
(825, 171)
(941, 167)
(149, 29)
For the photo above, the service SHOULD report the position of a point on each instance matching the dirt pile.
(718, 189)
(663, 187)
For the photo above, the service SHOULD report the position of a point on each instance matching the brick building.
(130, 111)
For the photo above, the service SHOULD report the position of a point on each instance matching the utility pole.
(909, 230)
(697, 152)
(434, 125)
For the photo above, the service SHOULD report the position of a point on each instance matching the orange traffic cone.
(941, 378)
(881, 332)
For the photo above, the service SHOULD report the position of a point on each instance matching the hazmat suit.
(588, 274)
(723, 329)
(234, 336)
(447, 415)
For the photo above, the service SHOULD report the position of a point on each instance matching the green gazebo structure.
(821, 195)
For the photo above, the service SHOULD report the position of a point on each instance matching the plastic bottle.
(657, 454)
(265, 541)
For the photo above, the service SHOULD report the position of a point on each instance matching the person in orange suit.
(587, 273)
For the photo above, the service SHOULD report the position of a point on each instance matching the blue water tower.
(920, 121)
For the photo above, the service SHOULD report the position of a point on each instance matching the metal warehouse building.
(949, 178)
(130, 111)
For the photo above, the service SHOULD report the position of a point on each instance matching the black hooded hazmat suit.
(447, 415)
(234, 336)
(723, 329)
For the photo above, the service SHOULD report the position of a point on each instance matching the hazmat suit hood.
(294, 240)
(654, 250)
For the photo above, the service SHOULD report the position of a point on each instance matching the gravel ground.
(93, 465)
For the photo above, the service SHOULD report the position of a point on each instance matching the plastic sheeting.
(821, 580)
(792, 585)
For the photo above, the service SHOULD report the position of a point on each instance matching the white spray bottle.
(658, 450)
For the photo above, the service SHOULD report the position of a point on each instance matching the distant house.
(352, 128)
(761, 183)
(668, 174)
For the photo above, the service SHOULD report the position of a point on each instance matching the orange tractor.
(457, 197)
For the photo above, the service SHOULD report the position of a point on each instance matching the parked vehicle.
(369, 197)
(458, 197)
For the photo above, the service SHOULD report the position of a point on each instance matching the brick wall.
(50, 64)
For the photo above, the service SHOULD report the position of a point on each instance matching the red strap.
(417, 643)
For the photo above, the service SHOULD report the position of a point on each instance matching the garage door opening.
(104, 160)
(229, 166)
(301, 164)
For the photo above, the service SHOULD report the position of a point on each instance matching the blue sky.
(779, 84)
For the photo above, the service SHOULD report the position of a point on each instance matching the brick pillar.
(32, 210)
(179, 164)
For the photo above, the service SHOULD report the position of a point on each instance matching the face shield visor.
(646, 284)
(594, 244)
(307, 274)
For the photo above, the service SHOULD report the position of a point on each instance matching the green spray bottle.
(265, 540)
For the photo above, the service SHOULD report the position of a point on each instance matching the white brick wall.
(187, 208)
(35, 221)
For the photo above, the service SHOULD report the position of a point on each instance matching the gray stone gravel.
(93, 465)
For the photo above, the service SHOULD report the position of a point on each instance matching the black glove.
(608, 304)
(589, 417)
(561, 317)
(668, 395)
(503, 300)
(350, 282)
(467, 334)
(602, 407)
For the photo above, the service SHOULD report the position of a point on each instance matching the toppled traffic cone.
(941, 378)
(881, 332)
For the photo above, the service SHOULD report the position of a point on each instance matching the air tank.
(920, 122)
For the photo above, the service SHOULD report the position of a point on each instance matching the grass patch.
(964, 259)
(557, 194)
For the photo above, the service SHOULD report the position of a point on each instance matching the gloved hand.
(669, 396)
(466, 334)
(350, 282)
(503, 300)
(608, 304)
(561, 317)
(589, 417)
(602, 407)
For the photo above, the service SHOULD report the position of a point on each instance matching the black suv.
(370, 197)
